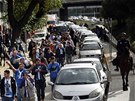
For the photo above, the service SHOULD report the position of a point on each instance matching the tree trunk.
(15, 34)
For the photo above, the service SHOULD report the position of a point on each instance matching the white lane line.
(119, 95)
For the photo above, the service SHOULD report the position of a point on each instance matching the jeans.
(40, 87)
(19, 97)
(7, 99)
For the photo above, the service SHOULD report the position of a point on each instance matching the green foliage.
(20, 7)
(37, 19)
(53, 4)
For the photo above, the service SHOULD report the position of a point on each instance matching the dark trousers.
(7, 98)
(61, 61)
(40, 87)
(53, 80)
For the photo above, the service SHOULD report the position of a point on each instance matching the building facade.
(85, 11)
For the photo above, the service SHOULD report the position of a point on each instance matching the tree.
(24, 13)
(116, 9)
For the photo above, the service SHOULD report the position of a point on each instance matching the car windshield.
(60, 29)
(77, 76)
(90, 41)
(90, 46)
(38, 35)
(51, 22)
(99, 66)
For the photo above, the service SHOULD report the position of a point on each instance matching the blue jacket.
(54, 69)
(19, 78)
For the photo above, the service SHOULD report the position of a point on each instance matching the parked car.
(60, 28)
(92, 39)
(87, 33)
(79, 82)
(102, 68)
(90, 49)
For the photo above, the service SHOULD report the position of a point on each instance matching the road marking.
(119, 95)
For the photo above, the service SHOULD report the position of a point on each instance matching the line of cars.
(86, 78)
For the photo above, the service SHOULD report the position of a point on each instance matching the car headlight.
(57, 95)
(95, 93)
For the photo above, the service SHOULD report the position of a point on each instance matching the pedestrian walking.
(54, 69)
(8, 87)
(69, 52)
(60, 55)
(28, 88)
(39, 71)
(30, 47)
(13, 59)
(43, 59)
(19, 77)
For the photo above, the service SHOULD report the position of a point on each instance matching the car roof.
(93, 42)
(41, 32)
(86, 59)
(79, 65)
(87, 33)
(91, 37)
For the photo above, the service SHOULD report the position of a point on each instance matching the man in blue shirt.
(19, 77)
(54, 69)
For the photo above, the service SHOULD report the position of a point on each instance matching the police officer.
(122, 44)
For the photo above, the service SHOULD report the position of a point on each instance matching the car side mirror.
(104, 80)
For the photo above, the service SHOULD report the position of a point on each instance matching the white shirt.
(8, 89)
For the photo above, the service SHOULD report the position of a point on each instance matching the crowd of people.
(54, 51)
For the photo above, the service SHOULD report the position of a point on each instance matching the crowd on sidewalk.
(54, 51)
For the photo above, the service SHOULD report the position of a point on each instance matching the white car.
(102, 69)
(87, 33)
(78, 82)
(38, 36)
(92, 39)
(90, 49)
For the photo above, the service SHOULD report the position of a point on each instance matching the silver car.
(102, 69)
(79, 82)
(90, 49)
